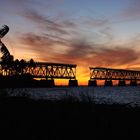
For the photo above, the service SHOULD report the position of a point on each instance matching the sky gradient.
(89, 33)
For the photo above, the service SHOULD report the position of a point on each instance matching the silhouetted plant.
(22, 62)
(32, 63)
(16, 65)
(16, 62)
(22, 65)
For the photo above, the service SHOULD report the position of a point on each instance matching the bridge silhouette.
(29, 71)
(26, 72)
(109, 74)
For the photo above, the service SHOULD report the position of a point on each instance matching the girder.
(100, 73)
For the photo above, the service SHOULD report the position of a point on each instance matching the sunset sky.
(88, 33)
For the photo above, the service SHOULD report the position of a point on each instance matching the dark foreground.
(22, 118)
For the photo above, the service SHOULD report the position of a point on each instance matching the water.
(108, 95)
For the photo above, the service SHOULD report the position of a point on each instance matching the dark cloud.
(41, 45)
(33, 39)
(117, 56)
(85, 54)
(79, 48)
(43, 21)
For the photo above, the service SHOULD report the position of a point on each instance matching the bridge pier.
(50, 83)
(73, 83)
(108, 82)
(92, 83)
(133, 83)
(47, 83)
(121, 83)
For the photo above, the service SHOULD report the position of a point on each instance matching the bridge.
(40, 70)
(109, 74)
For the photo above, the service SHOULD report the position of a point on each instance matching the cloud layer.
(80, 51)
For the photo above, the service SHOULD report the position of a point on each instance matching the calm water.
(109, 95)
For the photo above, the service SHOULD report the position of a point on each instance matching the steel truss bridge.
(39, 70)
(25, 74)
(109, 74)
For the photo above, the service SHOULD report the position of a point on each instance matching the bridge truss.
(113, 74)
(109, 74)
(39, 70)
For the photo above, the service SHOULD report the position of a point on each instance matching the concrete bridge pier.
(121, 83)
(133, 82)
(73, 83)
(92, 83)
(108, 82)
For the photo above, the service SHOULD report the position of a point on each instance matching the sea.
(124, 95)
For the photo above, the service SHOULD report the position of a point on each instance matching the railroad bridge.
(39, 70)
(109, 74)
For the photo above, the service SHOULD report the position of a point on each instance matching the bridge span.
(40, 70)
(109, 74)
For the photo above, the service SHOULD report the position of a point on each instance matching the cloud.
(66, 28)
(85, 54)
(53, 26)
(33, 39)
(78, 51)
(43, 22)
(43, 46)
(116, 56)
(39, 42)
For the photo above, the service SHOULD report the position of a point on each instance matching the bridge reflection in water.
(109, 74)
